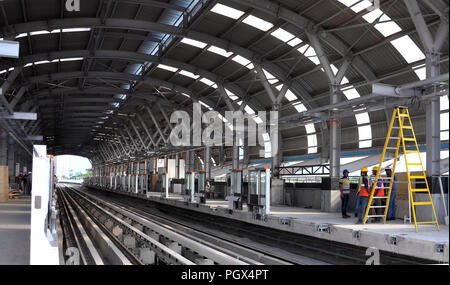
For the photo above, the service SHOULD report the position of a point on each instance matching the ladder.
(407, 139)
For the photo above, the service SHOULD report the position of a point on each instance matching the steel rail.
(163, 252)
(187, 242)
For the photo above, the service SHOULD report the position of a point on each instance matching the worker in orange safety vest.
(364, 193)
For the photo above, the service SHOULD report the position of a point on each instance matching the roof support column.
(329, 198)
(177, 166)
(433, 120)
(208, 162)
(276, 144)
(11, 159)
(3, 148)
(432, 48)
(335, 97)
(190, 161)
(275, 134)
(335, 135)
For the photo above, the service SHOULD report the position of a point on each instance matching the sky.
(65, 163)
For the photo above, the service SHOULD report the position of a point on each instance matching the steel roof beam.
(131, 57)
(439, 7)
(115, 76)
(277, 10)
(147, 26)
(5, 87)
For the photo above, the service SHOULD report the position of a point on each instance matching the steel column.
(208, 162)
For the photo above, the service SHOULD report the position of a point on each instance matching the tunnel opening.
(72, 168)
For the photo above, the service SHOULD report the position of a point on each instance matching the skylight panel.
(358, 7)
(421, 73)
(227, 11)
(76, 30)
(444, 121)
(387, 28)
(189, 74)
(168, 68)
(444, 103)
(351, 94)
(222, 118)
(243, 61)
(231, 95)
(312, 150)
(312, 141)
(365, 133)
(310, 53)
(258, 120)
(310, 128)
(208, 82)
(220, 51)
(258, 23)
(21, 35)
(365, 144)
(362, 118)
(41, 62)
(300, 107)
(267, 149)
(408, 49)
(205, 105)
(295, 42)
(39, 33)
(270, 77)
(249, 110)
(290, 96)
(373, 16)
(193, 43)
(286, 37)
(71, 59)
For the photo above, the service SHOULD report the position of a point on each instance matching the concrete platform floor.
(15, 221)
(422, 244)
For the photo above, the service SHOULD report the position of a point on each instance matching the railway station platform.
(15, 221)
(394, 236)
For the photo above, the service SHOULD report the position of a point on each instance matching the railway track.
(294, 248)
(143, 238)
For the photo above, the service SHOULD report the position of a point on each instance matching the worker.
(364, 193)
(391, 208)
(29, 183)
(208, 189)
(344, 187)
(20, 180)
(25, 182)
(379, 192)
(358, 190)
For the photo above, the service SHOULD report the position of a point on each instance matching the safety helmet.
(346, 171)
(364, 169)
(376, 168)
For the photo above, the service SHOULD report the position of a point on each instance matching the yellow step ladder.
(405, 135)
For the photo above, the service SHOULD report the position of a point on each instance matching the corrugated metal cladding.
(136, 79)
